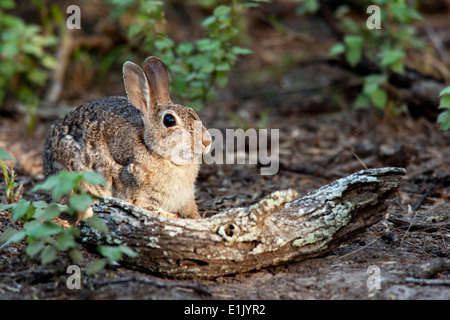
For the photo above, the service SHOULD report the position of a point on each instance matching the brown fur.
(126, 141)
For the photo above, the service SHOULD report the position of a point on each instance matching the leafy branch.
(24, 60)
(386, 48)
(198, 66)
(36, 221)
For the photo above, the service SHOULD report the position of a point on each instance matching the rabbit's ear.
(137, 87)
(158, 78)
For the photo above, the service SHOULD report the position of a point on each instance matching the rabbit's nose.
(206, 141)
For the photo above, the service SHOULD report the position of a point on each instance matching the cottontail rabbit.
(147, 147)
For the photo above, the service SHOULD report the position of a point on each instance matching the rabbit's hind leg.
(69, 154)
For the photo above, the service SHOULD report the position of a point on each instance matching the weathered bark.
(278, 229)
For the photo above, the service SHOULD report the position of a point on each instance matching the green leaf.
(185, 48)
(11, 235)
(414, 14)
(93, 178)
(57, 15)
(207, 67)
(29, 214)
(113, 253)
(75, 255)
(65, 240)
(80, 202)
(308, 7)
(34, 248)
(62, 183)
(354, 49)
(208, 21)
(225, 66)
(164, 43)
(95, 266)
(192, 76)
(134, 30)
(399, 10)
(398, 67)
(391, 57)
(444, 120)
(48, 184)
(350, 26)
(48, 255)
(4, 155)
(32, 49)
(221, 79)
(4, 207)
(37, 76)
(341, 11)
(41, 204)
(379, 98)
(337, 49)
(19, 210)
(97, 223)
(49, 61)
(445, 92)
(221, 10)
(31, 227)
(49, 214)
(361, 102)
(7, 4)
(9, 49)
(67, 181)
(239, 50)
(128, 251)
(372, 82)
(205, 45)
(38, 230)
(445, 102)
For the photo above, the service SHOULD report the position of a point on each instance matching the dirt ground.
(321, 139)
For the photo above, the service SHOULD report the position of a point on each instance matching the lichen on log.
(281, 228)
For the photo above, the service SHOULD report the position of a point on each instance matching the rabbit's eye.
(169, 120)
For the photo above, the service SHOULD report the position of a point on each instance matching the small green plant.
(198, 66)
(45, 237)
(24, 60)
(444, 117)
(386, 48)
(10, 195)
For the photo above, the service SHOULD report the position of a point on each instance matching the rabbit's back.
(99, 135)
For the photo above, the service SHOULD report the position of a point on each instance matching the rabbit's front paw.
(190, 211)
(162, 213)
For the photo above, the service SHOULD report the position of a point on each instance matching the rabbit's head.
(171, 130)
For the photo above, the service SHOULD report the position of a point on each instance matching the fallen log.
(279, 229)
